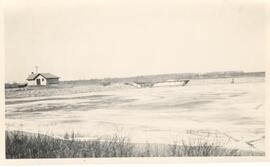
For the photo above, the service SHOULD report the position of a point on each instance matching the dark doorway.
(38, 81)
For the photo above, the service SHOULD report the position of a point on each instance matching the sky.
(96, 39)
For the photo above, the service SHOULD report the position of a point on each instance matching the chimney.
(36, 69)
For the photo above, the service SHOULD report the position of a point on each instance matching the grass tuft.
(21, 145)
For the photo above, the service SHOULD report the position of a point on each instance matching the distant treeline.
(15, 85)
(175, 76)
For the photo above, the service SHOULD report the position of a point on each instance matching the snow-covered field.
(214, 109)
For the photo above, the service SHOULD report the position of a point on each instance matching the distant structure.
(36, 79)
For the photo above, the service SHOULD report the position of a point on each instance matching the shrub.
(27, 145)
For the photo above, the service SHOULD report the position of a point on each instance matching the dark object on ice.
(185, 82)
(161, 84)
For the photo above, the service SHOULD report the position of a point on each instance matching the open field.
(212, 109)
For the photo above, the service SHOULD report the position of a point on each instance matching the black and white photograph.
(133, 79)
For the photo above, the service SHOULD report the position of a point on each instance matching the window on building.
(42, 79)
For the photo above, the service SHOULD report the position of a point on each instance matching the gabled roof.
(45, 75)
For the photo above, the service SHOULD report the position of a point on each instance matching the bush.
(27, 145)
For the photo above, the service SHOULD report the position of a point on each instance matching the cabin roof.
(45, 75)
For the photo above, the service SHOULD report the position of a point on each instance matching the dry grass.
(26, 145)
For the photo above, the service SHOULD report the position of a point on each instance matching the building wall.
(52, 81)
(43, 81)
(31, 83)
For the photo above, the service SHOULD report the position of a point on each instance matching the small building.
(36, 79)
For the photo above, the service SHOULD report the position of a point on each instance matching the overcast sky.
(96, 39)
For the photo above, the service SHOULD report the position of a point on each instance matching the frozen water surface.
(232, 114)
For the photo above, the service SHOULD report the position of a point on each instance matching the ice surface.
(232, 114)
